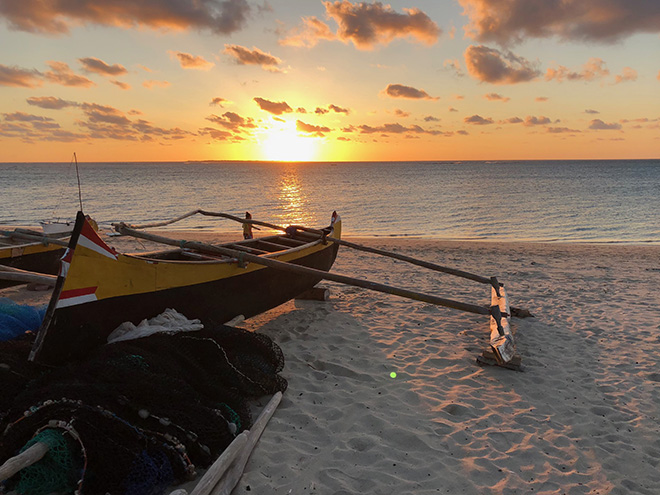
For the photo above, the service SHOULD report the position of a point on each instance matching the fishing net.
(16, 319)
(136, 416)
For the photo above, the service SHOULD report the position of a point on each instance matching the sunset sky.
(171, 80)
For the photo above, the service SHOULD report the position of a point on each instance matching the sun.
(284, 144)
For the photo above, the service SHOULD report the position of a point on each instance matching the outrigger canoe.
(99, 288)
(29, 250)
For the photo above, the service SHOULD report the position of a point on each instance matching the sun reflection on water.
(294, 203)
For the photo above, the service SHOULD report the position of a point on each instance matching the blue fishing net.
(16, 319)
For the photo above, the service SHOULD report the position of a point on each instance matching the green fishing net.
(57, 471)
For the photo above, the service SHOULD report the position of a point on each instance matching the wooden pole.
(26, 458)
(233, 476)
(33, 237)
(220, 466)
(16, 275)
(281, 265)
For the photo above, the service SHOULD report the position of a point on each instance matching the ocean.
(614, 201)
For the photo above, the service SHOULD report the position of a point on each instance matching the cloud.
(366, 25)
(493, 66)
(151, 83)
(276, 108)
(496, 97)
(513, 120)
(453, 66)
(97, 66)
(219, 102)
(121, 85)
(532, 121)
(562, 130)
(627, 75)
(321, 111)
(189, 61)
(25, 117)
(431, 118)
(57, 17)
(17, 77)
(599, 125)
(61, 73)
(401, 113)
(510, 21)
(232, 121)
(401, 91)
(541, 99)
(312, 31)
(102, 113)
(245, 56)
(589, 110)
(594, 69)
(338, 109)
(396, 128)
(50, 102)
(319, 131)
(478, 120)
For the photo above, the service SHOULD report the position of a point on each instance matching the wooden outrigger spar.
(501, 337)
(29, 256)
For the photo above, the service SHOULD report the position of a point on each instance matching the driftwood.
(281, 265)
(233, 475)
(26, 458)
(220, 466)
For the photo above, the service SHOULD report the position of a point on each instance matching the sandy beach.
(385, 395)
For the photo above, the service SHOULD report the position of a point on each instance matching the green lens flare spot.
(393, 374)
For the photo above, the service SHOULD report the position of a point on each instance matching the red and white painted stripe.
(76, 296)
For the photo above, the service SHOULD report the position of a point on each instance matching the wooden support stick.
(233, 476)
(290, 267)
(16, 275)
(26, 458)
(34, 237)
(220, 466)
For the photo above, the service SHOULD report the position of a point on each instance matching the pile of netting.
(136, 416)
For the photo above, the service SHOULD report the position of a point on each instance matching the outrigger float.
(99, 288)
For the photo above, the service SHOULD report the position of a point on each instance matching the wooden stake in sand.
(226, 471)
(26, 458)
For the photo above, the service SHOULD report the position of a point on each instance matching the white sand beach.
(385, 396)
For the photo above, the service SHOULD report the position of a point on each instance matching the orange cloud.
(627, 75)
(57, 17)
(97, 66)
(396, 128)
(319, 131)
(121, 85)
(592, 70)
(507, 21)
(478, 120)
(17, 77)
(276, 108)
(50, 102)
(151, 83)
(365, 25)
(401, 91)
(189, 61)
(493, 66)
(60, 73)
(309, 34)
(496, 97)
(599, 125)
(245, 56)
(233, 122)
